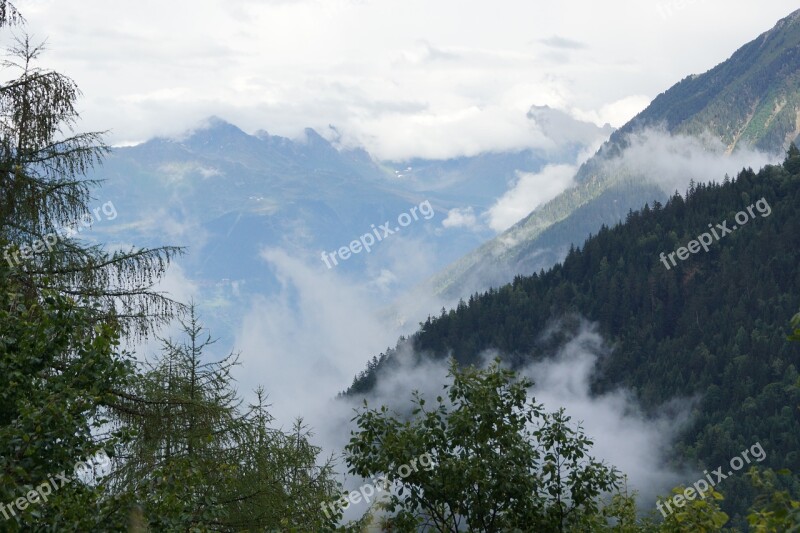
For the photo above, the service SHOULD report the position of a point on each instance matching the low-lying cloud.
(623, 435)
(308, 351)
(530, 191)
(672, 161)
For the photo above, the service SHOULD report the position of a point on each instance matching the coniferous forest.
(714, 327)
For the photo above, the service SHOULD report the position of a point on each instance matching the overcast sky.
(433, 78)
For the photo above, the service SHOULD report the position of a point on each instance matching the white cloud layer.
(623, 436)
(530, 191)
(673, 160)
(404, 78)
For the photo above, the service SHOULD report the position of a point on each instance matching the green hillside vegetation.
(713, 327)
(750, 100)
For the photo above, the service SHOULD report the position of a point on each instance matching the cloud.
(427, 53)
(530, 191)
(178, 171)
(562, 42)
(669, 160)
(672, 161)
(318, 331)
(460, 131)
(286, 65)
(313, 336)
(623, 435)
(460, 217)
(160, 95)
(616, 113)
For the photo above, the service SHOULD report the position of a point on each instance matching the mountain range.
(229, 196)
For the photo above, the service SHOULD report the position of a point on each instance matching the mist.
(305, 353)
(672, 160)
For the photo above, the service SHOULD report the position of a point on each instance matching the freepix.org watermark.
(64, 232)
(46, 488)
(368, 490)
(700, 487)
(368, 240)
(704, 239)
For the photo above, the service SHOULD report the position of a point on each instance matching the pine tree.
(183, 454)
(792, 162)
(199, 460)
(43, 190)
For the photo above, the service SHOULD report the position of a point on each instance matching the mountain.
(477, 181)
(750, 101)
(232, 193)
(709, 330)
(228, 195)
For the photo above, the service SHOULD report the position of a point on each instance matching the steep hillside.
(711, 327)
(752, 100)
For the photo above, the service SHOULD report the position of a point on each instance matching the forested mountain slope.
(713, 327)
(751, 101)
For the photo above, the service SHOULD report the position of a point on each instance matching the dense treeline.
(713, 327)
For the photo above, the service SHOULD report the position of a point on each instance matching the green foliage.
(714, 326)
(201, 462)
(43, 164)
(499, 462)
(701, 515)
(619, 515)
(795, 335)
(792, 163)
(279, 482)
(57, 370)
(774, 511)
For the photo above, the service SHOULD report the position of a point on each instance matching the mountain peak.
(561, 127)
(311, 136)
(215, 123)
(213, 130)
(793, 18)
(214, 120)
(787, 23)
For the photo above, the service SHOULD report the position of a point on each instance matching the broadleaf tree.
(500, 461)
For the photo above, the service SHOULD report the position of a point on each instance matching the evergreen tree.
(200, 461)
(61, 309)
(43, 193)
(792, 163)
